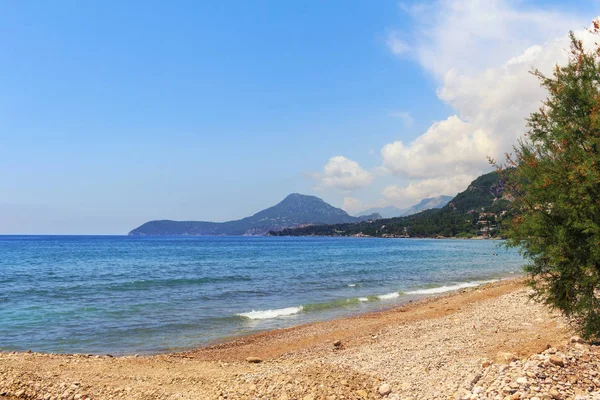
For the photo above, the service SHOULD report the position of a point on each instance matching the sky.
(115, 113)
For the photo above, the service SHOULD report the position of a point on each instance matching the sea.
(147, 295)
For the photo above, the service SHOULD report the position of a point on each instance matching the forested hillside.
(478, 211)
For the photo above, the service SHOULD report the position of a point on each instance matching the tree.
(554, 178)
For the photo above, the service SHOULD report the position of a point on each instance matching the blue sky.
(115, 113)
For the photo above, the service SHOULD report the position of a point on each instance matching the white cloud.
(343, 174)
(353, 206)
(396, 45)
(472, 35)
(404, 116)
(448, 148)
(481, 53)
(416, 191)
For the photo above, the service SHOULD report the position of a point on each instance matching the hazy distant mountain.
(393, 212)
(385, 212)
(294, 211)
(428, 204)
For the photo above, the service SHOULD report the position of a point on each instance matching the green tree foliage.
(554, 177)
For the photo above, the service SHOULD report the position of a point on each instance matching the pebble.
(555, 394)
(506, 357)
(254, 360)
(385, 389)
(556, 361)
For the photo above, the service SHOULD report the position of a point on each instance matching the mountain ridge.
(293, 211)
(477, 211)
(394, 212)
(385, 212)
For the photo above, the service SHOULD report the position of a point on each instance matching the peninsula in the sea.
(295, 211)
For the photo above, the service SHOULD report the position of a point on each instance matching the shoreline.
(426, 349)
(401, 305)
(405, 306)
(405, 301)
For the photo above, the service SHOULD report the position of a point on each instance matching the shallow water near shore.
(126, 295)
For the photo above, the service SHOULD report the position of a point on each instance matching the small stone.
(385, 389)
(556, 361)
(522, 380)
(337, 343)
(472, 381)
(576, 339)
(362, 393)
(554, 394)
(506, 357)
(19, 393)
(254, 360)
(462, 394)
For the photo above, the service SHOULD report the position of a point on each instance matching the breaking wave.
(284, 312)
(267, 314)
(449, 288)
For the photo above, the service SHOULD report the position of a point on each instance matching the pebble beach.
(489, 342)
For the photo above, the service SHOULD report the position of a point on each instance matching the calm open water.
(127, 295)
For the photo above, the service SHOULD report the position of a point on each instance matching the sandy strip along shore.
(485, 342)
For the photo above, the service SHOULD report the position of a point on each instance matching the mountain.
(385, 212)
(485, 192)
(293, 211)
(427, 204)
(393, 211)
(478, 211)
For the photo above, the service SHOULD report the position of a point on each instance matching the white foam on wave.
(267, 314)
(449, 288)
(363, 299)
(351, 284)
(389, 296)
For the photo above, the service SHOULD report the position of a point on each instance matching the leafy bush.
(554, 177)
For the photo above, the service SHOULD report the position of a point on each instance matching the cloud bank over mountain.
(480, 54)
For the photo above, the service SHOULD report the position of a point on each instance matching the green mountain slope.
(478, 211)
(295, 210)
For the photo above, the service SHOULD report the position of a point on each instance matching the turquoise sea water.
(127, 295)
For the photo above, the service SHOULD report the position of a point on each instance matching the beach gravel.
(490, 342)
